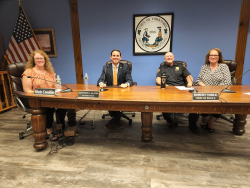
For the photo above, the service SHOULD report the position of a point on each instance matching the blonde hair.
(219, 53)
(31, 63)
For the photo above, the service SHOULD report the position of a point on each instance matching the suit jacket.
(123, 75)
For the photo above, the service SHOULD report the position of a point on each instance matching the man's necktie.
(115, 77)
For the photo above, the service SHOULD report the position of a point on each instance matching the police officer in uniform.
(176, 74)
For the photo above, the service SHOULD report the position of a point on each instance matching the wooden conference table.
(144, 99)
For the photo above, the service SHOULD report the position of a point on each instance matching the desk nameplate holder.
(44, 91)
(206, 96)
(88, 94)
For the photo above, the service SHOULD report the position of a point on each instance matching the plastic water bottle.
(86, 79)
(58, 82)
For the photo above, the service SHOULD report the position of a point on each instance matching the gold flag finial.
(19, 2)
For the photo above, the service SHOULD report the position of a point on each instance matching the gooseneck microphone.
(231, 91)
(105, 69)
(62, 91)
(194, 90)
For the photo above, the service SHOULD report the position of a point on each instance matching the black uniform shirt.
(175, 74)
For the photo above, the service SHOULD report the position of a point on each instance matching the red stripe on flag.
(31, 44)
(9, 55)
(38, 45)
(35, 44)
(16, 48)
(12, 55)
(26, 47)
(24, 55)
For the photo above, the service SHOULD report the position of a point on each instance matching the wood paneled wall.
(76, 40)
(242, 38)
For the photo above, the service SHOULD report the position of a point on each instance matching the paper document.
(247, 93)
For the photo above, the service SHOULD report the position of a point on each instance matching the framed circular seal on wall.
(153, 34)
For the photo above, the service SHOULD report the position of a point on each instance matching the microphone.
(105, 69)
(231, 91)
(63, 91)
(194, 90)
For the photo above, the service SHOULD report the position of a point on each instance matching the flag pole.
(19, 2)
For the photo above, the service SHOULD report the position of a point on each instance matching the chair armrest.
(18, 93)
(134, 83)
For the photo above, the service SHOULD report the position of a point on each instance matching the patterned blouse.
(220, 76)
(39, 83)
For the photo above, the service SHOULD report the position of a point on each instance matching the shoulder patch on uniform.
(158, 70)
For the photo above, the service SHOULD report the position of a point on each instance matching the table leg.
(239, 124)
(71, 117)
(38, 122)
(146, 118)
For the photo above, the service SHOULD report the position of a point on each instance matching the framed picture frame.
(46, 39)
(152, 33)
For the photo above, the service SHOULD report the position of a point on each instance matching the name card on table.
(88, 94)
(206, 96)
(44, 91)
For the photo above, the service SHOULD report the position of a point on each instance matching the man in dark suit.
(115, 74)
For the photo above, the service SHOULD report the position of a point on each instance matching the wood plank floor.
(99, 158)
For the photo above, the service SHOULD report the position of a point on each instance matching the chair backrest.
(232, 65)
(184, 64)
(178, 62)
(124, 61)
(15, 71)
(129, 67)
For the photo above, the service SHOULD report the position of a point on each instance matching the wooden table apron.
(144, 99)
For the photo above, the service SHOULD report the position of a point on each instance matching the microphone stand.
(102, 89)
(231, 91)
(62, 91)
(194, 90)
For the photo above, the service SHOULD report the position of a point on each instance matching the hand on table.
(124, 85)
(103, 85)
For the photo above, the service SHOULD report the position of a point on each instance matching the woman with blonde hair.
(41, 75)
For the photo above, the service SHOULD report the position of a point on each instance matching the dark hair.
(219, 53)
(116, 51)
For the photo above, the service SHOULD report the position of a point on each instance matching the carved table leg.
(239, 124)
(146, 118)
(38, 122)
(71, 117)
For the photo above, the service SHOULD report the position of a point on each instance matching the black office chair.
(185, 81)
(232, 65)
(124, 114)
(15, 71)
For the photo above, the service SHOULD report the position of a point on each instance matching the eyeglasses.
(213, 55)
(39, 59)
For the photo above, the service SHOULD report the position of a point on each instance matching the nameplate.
(88, 94)
(44, 91)
(206, 96)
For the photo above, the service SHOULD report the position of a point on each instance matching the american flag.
(23, 41)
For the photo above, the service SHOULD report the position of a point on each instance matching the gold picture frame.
(46, 39)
